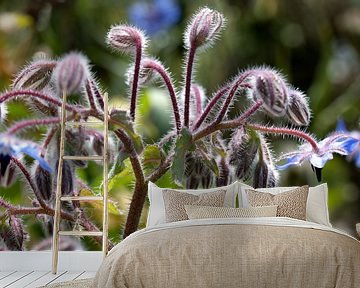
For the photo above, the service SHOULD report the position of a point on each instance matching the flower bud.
(71, 73)
(264, 175)
(197, 173)
(35, 76)
(204, 28)
(243, 150)
(125, 39)
(67, 185)
(43, 182)
(9, 177)
(270, 87)
(298, 110)
(17, 228)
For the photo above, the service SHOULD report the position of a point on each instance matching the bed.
(233, 252)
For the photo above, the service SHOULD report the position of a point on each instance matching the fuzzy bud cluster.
(125, 39)
(204, 28)
(270, 87)
(35, 76)
(197, 173)
(71, 73)
(242, 153)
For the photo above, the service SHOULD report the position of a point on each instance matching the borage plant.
(196, 153)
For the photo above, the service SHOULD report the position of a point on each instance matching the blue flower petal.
(34, 153)
(350, 144)
(340, 126)
(293, 160)
(320, 161)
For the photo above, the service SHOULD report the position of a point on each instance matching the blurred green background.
(316, 44)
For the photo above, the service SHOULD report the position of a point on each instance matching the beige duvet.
(275, 252)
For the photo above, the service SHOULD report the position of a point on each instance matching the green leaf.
(183, 144)
(208, 160)
(152, 157)
(118, 166)
(121, 119)
(112, 206)
(125, 178)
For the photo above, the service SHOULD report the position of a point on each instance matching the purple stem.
(231, 94)
(197, 95)
(48, 139)
(210, 105)
(33, 122)
(6, 96)
(98, 95)
(158, 68)
(287, 131)
(189, 68)
(135, 78)
(89, 92)
(231, 124)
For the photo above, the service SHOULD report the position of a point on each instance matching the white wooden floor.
(32, 279)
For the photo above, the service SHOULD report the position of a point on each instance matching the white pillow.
(156, 214)
(317, 210)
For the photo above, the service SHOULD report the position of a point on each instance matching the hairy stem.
(210, 106)
(21, 93)
(31, 182)
(48, 139)
(162, 169)
(89, 93)
(189, 68)
(286, 131)
(17, 210)
(140, 190)
(170, 87)
(231, 124)
(98, 95)
(197, 95)
(29, 123)
(231, 94)
(135, 81)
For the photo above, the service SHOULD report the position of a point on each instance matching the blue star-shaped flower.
(355, 151)
(12, 146)
(340, 143)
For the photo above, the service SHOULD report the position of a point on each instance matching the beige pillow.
(290, 204)
(175, 201)
(201, 212)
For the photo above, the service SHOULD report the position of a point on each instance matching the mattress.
(235, 252)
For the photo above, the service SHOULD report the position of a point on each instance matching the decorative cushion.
(175, 202)
(156, 214)
(201, 212)
(290, 204)
(317, 204)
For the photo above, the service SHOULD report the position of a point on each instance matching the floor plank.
(68, 276)
(5, 282)
(46, 279)
(4, 274)
(86, 275)
(28, 279)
